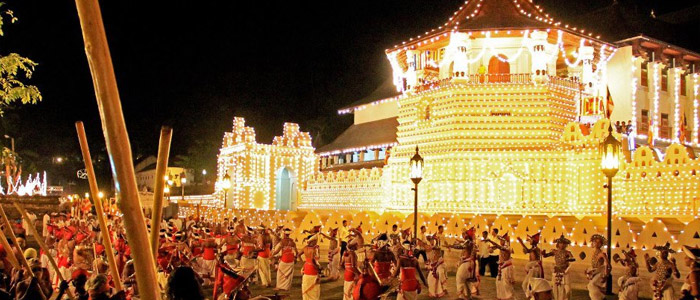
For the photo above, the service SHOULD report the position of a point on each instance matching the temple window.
(645, 74)
(664, 129)
(382, 153)
(356, 156)
(683, 86)
(369, 156)
(664, 79)
(643, 124)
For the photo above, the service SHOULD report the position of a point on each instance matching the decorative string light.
(677, 73)
(655, 111)
(696, 122)
(633, 98)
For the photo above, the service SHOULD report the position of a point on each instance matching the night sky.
(195, 65)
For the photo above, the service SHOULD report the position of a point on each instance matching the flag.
(610, 105)
(682, 131)
(650, 134)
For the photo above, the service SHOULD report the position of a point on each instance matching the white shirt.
(45, 223)
(495, 251)
(484, 248)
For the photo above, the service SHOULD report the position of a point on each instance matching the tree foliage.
(13, 69)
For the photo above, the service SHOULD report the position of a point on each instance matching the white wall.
(620, 84)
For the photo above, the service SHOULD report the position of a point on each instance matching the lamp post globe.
(609, 164)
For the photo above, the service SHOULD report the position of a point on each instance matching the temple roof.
(498, 14)
(386, 90)
(503, 15)
(358, 136)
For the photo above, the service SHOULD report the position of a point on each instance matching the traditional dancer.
(533, 268)
(408, 266)
(264, 241)
(367, 286)
(691, 285)
(562, 260)
(355, 237)
(226, 278)
(437, 275)
(352, 273)
(598, 272)
(248, 253)
(629, 288)
(333, 254)
(208, 259)
(285, 268)
(663, 269)
(383, 259)
(310, 281)
(504, 280)
(466, 272)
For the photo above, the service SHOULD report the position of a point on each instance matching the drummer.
(383, 259)
(408, 266)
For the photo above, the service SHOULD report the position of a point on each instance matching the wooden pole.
(39, 241)
(97, 203)
(166, 134)
(10, 255)
(118, 146)
(13, 238)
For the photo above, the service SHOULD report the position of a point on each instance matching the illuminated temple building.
(508, 106)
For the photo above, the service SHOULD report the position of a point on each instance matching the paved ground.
(334, 290)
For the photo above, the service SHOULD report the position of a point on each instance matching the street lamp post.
(610, 164)
(416, 177)
(226, 185)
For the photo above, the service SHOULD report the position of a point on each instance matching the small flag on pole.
(610, 105)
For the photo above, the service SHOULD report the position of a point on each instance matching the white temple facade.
(508, 106)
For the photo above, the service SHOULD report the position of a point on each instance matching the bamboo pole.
(118, 146)
(24, 261)
(166, 134)
(10, 255)
(42, 245)
(97, 203)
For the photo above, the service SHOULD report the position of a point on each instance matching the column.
(655, 69)
(675, 83)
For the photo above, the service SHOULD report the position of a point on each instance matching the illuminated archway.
(499, 68)
(285, 190)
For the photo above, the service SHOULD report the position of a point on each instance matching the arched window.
(499, 67)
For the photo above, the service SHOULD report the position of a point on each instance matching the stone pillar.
(376, 154)
(538, 47)
(362, 155)
(348, 158)
(654, 72)
(586, 55)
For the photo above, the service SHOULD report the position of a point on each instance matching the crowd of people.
(227, 257)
